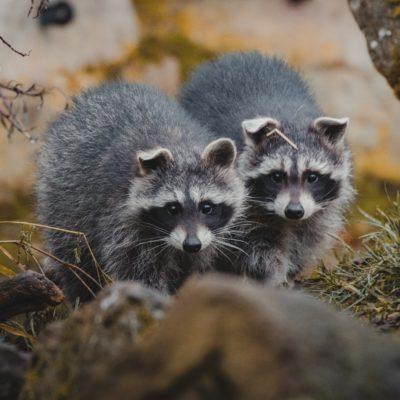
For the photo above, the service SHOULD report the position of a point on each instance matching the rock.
(380, 23)
(323, 40)
(101, 31)
(70, 351)
(13, 366)
(221, 339)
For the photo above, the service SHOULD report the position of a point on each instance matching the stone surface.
(322, 39)
(380, 22)
(221, 339)
(100, 32)
(68, 352)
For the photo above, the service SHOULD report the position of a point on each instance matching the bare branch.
(9, 110)
(39, 8)
(13, 48)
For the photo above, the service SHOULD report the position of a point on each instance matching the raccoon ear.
(332, 128)
(151, 160)
(255, 130)
(220, 153)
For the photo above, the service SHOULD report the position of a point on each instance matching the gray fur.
(245, 86)
(90, 181)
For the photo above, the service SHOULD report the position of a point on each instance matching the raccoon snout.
(294, 211)
(192, 244)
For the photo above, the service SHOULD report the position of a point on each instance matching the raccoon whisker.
(231, 227)
(259, 198)
(223, 243)
(328, 193)
(150, 241)
(228, 235)
(263, 203)
(151, 249)
(155, 227)
(236, 240)
(219, 251)
(162, 249)
(228, 250)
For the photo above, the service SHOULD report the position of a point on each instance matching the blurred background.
(83, 43)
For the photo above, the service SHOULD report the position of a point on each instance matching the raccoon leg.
(278, 272)
(269, 265)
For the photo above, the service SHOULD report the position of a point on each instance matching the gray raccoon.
(130, 169)
(297, 197)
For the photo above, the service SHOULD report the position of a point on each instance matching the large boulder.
(220, 339)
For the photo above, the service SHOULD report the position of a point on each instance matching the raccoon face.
(297, 174)
(186, 204)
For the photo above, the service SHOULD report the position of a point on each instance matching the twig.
(40, 9)
(283, 136)
(99, 270)
(9, 93)
(71, 267)
(14, 49)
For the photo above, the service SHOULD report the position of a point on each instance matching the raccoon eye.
(206, 208)
(172, 208)
(312, 177)
(277, 176)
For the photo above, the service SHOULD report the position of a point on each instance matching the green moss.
(187, 52)
(162, 36)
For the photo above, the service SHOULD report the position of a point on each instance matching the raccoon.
(294, 160)
(133, 172)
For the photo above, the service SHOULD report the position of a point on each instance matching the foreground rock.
(221, 339)
(13, 365)
(70, 351)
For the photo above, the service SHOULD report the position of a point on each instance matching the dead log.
(380, 23)
(13, 365)
(26, 292)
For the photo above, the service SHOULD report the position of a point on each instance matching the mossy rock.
(118, 319)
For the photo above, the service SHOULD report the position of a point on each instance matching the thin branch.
(40, 8)
(284, 137)
(14, 49)
(9, 94)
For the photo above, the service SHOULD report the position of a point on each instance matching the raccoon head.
(295, 170)
(185, 200)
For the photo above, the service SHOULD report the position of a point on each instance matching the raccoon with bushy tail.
(294, 160)
(144, 182)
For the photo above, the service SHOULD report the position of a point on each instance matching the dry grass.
(24, 252)
(367, 283)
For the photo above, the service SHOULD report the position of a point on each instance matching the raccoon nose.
(192, 244)
(294, 211)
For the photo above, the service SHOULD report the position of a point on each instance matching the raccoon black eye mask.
(299, 181)
(153, 191)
